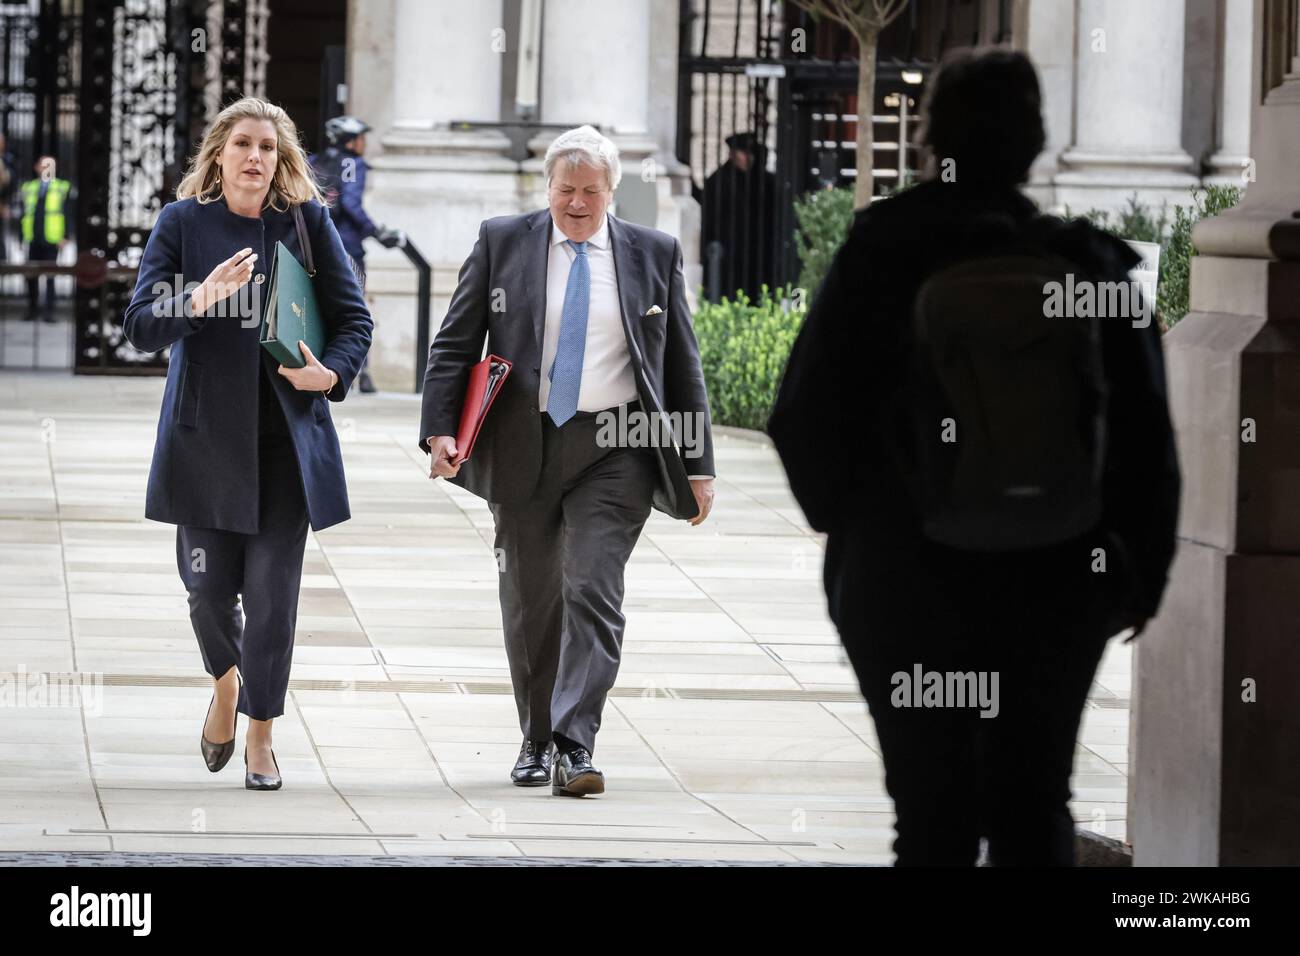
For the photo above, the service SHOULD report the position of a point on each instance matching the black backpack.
(1005, 408)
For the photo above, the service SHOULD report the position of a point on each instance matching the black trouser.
(1038, 622)
(561, 556)
(218, 567)
(39, 251)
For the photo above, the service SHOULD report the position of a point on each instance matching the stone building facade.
(1148, 99)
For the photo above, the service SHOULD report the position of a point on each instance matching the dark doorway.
(299, 33)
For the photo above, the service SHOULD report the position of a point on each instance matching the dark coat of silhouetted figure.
(1040, 618)
(739, 212)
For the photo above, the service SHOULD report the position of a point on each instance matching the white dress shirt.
(607, 377)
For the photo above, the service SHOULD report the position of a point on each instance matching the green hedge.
(1135, 221)
(743, 348)
(1176, 252)
(1145, 225)
(823, 219)
(744, 345)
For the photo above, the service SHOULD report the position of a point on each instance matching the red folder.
(485, 381)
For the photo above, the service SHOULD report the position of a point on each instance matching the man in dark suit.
(592, 312)
(740, 239)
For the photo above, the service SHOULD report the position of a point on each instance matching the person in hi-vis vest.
(46, 203)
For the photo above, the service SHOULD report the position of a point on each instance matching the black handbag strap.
(303, 241)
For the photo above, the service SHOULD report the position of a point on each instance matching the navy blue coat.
(205, 461)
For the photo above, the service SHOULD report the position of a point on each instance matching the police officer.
(46, 205)
(341, 170)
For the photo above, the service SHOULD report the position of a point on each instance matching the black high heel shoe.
(261, 781)
(217, 756)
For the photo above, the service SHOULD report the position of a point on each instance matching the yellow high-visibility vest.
(55, 226)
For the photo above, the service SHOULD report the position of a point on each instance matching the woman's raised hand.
(225, 280)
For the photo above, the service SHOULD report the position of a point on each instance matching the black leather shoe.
(261, 781)
(217, 756)
(533, 768)
(575, 776)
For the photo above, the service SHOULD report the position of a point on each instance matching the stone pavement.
(735, 733)
(34, 345)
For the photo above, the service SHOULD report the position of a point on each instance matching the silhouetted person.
(738, 208)
(976, 464)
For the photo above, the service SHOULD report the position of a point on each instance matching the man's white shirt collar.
(600, 239)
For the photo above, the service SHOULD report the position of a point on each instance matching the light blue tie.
(566, 370)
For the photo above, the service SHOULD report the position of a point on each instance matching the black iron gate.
(768, 68)
(124, 58)
(39, 40)
(153, 72)
(119, 91)
(731, 76)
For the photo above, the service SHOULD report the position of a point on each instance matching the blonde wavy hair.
(293, 182)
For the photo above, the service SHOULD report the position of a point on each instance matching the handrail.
(423, 293)
(29, 269)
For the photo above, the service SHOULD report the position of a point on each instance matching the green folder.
(291, 313)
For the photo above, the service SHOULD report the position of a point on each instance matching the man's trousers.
(1037, 622)
(561, 556)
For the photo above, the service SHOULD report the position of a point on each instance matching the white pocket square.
(654, 310)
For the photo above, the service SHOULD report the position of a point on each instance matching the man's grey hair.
(584, 146)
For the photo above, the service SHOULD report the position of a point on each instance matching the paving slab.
(735, 734)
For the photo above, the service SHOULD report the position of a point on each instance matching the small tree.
(865, 19)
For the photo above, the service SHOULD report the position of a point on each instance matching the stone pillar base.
(1215, 777)
(437, 185)
(1218, 783)
(1228, 169)
(1107, 181)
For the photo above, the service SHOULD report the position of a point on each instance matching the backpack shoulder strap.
(303, 240)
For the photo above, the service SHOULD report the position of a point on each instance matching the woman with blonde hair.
(246, 455)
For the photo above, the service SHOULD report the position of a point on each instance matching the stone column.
(1129, 106)
(676, 211)
(433, 179)
(1045, 31)
(596, 64)
(613, 65)
(1216, 739)
(370, 67)
(1232, 139)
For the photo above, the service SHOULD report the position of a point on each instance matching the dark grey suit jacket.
(501, 296)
